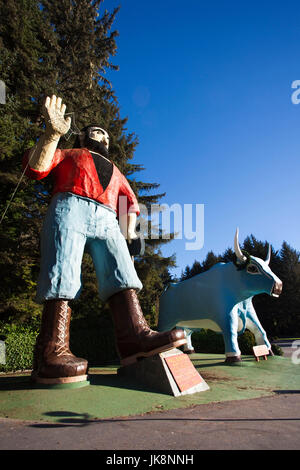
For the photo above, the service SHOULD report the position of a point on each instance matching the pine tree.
(288, 311)
(61, 47)
(210, 260)
(25, 68)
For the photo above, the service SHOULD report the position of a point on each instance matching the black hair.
(77, 143)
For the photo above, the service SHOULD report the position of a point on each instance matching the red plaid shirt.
(74, 171)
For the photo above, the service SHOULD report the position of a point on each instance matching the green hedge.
(19, 343)
(208, 341)
(90, 341)
(94, 341)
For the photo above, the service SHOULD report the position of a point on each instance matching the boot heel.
(59, 380)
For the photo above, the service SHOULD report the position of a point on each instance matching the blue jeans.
(74, 224)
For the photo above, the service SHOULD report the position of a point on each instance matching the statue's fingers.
(68, 121)
(52, 101)
(63, 109)
(47, 102)
(58, 103)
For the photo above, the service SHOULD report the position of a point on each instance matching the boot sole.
(132, 359)
(58, 380)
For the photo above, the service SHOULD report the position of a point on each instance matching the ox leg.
(229, 329)
(253, 324)
(188, 347)
(259, 333)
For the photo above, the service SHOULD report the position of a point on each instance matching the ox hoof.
(189, 351)
(233, 360)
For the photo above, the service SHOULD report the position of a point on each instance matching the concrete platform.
(171, 372)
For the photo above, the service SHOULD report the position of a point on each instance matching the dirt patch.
(217, 377)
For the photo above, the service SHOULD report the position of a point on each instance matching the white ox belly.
(205, 323)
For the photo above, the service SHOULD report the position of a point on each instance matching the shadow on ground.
(71, 419)
(14, 383)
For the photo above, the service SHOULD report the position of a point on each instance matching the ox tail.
(241, 325)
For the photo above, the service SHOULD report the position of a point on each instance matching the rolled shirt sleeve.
(126, 191)
(36, 174)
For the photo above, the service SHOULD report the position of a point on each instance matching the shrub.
(19, 344)
(208, 341)
(94, 344)
(277, 350)
(92, 340)
(246, 342)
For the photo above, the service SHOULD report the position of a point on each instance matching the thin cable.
(75, 130)
(16, 188)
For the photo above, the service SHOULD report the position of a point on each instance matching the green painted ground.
(109, 395)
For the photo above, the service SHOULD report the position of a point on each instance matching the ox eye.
(252, 269)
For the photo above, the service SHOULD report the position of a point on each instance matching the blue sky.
(206, 86)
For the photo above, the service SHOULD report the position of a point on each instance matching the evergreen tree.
(186, 273)
(190, 272)
(196, 268)
(210, 260)
(61, 47)
(25, 68)
(282, 315)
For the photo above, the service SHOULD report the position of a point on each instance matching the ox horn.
(268, 255)
(237, 249)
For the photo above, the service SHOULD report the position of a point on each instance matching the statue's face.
(100, 135)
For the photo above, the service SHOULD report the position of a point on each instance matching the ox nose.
(277, 289)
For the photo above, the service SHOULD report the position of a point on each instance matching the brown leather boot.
(52, 356)
(133, 336)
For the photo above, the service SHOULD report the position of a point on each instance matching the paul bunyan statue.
(84, 215)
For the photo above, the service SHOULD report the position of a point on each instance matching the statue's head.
(94, 138)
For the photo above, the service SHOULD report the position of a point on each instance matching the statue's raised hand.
(54, 114)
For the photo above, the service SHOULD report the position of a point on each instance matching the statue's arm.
(127, 224)
(42, 154)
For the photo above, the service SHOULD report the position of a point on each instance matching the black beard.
(94, 145)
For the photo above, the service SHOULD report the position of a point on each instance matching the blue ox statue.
(221, 299)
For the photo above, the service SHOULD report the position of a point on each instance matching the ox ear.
(268, 258)
(238, 252)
